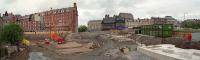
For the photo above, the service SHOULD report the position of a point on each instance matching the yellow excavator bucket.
(26, 42)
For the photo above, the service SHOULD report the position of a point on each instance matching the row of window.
(47, 19)
(56, 24)
(47, 29)
(57, 11)
(30, 23)
(58, 18)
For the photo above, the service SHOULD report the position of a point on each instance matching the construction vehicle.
(55, 36)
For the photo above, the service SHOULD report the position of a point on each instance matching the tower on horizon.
(75, 18)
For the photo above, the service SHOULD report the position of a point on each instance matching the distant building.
(94, 25)
(153, 20)
(170, 20)
(117, 22)
(178, 24)
(65, 19)
(120, 22)
(29, 24)
(8, 18)
(128, 18)
(195, 20)
(158, 20)
(139, 22)
(108, 23)
(165, 20)
(40, 18)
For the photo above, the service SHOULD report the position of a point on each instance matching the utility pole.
(184, 17)
(50, 22)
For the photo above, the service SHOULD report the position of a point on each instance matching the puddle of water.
(37, 56)
(196, 36)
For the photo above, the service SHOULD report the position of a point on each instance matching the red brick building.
(64, 19)
(28, 23)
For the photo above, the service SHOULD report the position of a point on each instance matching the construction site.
(106, 45)
(54, 35)
(86, 46)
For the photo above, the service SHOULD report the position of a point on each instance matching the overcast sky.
(96, 9)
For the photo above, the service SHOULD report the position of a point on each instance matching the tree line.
(190, 24)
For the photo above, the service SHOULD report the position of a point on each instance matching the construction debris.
(73, 48)
(68, 45)
(124, 50)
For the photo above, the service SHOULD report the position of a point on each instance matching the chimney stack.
(75, 5)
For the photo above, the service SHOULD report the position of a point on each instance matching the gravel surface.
(108, 50)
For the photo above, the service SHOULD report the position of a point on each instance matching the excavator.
(55, 35)
(57, 38)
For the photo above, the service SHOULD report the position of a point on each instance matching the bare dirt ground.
(85, 46)
(91, 46)
(78, 47)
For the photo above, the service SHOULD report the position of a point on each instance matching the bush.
(82, 28)
(11, 33)
(191, 24)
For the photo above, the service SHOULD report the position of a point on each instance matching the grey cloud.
(176, 8)
(130, 3)
(9, 1)
(96, 9)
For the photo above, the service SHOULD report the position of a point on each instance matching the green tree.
(0, 34)
(11, 33)
(82, 28)
(190, 24)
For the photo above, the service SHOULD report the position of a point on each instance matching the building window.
(67, 10)
(62, 11)
(54, 12)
